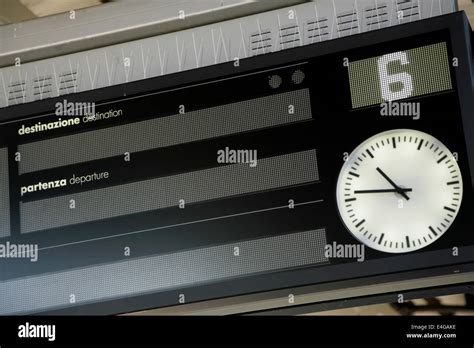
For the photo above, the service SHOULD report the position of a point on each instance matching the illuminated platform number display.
(399, 75)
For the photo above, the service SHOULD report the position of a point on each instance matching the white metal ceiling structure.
(122, 41)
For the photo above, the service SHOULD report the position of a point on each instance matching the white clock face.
(399, 191)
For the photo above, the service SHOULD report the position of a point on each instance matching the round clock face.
(399, 191)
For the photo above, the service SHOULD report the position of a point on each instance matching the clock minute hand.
(395, 186)
(384, 191)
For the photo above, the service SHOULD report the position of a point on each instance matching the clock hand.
(384, 191)
(395, 186)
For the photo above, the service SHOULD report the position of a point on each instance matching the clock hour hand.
(395, 186)
(384, 190)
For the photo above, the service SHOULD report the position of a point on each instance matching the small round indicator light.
(274, 81)
(298, 77)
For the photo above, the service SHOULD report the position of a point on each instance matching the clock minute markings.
(442, 159)
(381, 238)
(449, 209)
(420, 144)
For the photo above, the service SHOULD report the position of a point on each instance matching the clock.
(399, 191)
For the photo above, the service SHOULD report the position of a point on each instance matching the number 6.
(387, 80)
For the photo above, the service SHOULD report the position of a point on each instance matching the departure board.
(334, 161)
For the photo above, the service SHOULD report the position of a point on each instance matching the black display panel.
(335, 161)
